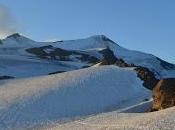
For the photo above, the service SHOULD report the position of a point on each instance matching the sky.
(143, 25)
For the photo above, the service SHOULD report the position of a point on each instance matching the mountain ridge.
(100, 36)
(87, 51)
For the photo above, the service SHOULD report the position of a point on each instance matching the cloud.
(7, 22)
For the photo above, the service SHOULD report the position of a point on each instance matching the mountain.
(19, 53)
(90, 83)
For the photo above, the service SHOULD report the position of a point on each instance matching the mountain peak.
(15, 35)
(18, 36)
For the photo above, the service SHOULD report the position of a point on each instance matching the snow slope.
(163, 70)
(161, 120)
(41, 101)
(16, 62)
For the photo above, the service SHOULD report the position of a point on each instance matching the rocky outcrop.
(108, 57)
(164, 94)
(6, 77)
(57, 72)
(50, 52)
(15, 35)
(147, 76)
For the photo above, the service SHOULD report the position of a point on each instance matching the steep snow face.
(161, 68)
(27, 103)
(93, 42)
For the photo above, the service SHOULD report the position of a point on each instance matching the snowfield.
(37, 102)
(161, 120)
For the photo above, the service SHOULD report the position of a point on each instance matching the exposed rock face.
(15, 35)
(109, 57)
(164, 94)
(57, 72)
(6, 77)
(147, 76)
(143, 73)
(50, 52)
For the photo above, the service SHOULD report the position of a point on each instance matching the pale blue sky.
(145, 25)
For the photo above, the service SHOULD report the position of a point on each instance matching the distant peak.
(15, 35)
(18, 38)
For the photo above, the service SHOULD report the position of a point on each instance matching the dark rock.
(57, 72)
(15, 35)
(147, 76)
(61, 54)
(111, 59)
(108, 57)
(86, 66)
(6, 77)
(87, 58)
(122, 63)
(143, 73)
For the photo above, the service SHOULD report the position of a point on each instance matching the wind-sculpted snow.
(36, 102)
(161, 120)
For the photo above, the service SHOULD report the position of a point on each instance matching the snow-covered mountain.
(102, 82)
(18, 54)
